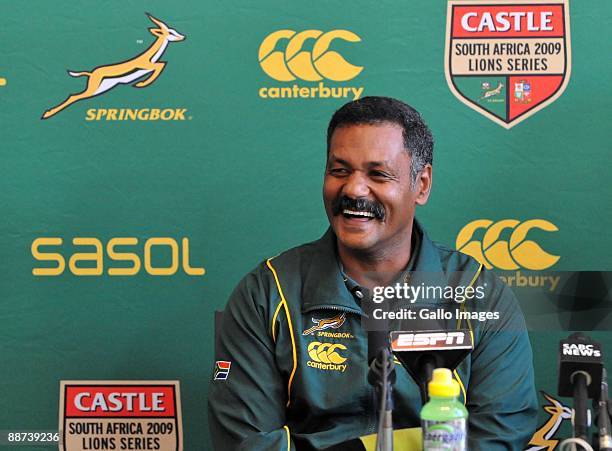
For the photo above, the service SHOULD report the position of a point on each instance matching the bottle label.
(449, 435)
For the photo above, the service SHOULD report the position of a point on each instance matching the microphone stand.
(580, 420)
(603, 421)
(382, 377)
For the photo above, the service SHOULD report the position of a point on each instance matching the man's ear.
(423, 185)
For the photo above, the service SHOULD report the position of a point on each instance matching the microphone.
(420, 352)
(382, 377)
(603, 421)
(377, 340)
(580, 375)
(378, 343)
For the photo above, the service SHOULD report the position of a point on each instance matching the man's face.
(367, 190)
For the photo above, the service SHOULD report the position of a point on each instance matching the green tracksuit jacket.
(297, 351)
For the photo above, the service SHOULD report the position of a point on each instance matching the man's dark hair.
(418, 139)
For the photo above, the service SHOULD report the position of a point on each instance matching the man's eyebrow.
(339, 161)
(371, 164)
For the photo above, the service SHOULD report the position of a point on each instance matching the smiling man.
(291, 370)
(370, 190)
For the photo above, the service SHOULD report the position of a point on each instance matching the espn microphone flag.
(448, 348)
(420, 352)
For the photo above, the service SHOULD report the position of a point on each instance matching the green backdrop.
(241, 176)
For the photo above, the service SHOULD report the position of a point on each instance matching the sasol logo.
(580, 350)
(92, 263)
(142, 70)
(518, 252)
(297, 61)
(401, 341)
(326, 356)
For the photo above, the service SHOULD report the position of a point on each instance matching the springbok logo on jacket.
(143, 69)
(326, 323)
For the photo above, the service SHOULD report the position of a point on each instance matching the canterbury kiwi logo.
(313, 65)
(542, 439)
(516, 253)
(142, 70)
(326, 323)
(326, 352)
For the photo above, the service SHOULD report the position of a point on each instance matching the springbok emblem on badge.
(507, 59)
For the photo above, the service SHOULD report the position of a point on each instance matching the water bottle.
(444, 418)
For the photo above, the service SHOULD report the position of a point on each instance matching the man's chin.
(357, 246)
(355, 238)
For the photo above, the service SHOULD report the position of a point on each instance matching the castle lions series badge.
(507, 59)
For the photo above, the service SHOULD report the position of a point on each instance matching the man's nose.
(356, 186)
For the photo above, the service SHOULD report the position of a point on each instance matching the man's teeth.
(367, 214)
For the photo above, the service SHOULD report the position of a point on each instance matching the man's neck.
(378, 267)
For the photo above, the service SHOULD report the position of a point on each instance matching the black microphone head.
(377, 340)
(579, 354)
(442, 348)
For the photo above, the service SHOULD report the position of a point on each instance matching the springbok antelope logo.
(541, 439)
(326, 323)
(493, 92)
(105, 78)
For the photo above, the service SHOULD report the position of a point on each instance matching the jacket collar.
(326, 287)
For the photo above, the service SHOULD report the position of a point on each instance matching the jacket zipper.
(333, 307)
(372, 417)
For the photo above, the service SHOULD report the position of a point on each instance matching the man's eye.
(379, 174)
(338, 171)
